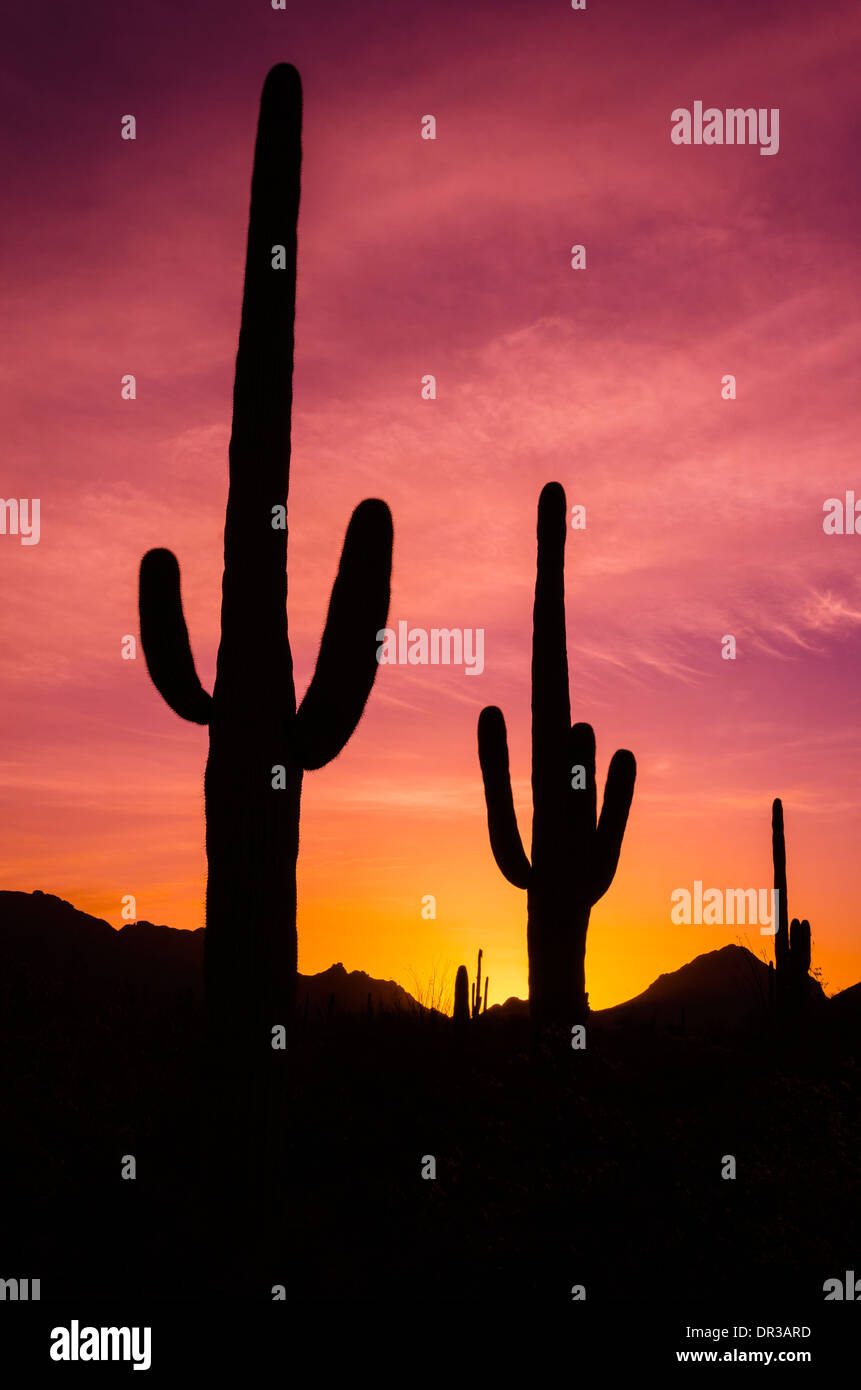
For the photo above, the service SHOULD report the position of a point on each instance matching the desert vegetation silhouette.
(467, 997)
(791, 940)
(260, 744)
(574, 851)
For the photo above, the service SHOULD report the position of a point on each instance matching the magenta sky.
(451, 257)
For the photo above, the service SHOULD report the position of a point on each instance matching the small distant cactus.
(791, 941)
(461, 996)
(475, 989)
(574, 851)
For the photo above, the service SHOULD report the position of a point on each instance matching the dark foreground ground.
(554, 1167)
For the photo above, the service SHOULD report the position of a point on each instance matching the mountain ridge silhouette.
(44, 938)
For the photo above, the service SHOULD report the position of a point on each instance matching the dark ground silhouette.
(554, 1167)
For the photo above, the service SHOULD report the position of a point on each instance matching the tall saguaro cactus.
(791, 940)
(260, 744)
(574, 852)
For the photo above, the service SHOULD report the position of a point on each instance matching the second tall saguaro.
(574, 853)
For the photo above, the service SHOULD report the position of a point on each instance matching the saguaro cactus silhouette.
(461, 997)
(260, 744)
(791, 940)
(574, 852)
(475, 989)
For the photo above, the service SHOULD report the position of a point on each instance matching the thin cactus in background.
(791, 940)
(475, 992)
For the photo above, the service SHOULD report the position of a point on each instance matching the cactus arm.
(618, 794)
(799, 946)
(254, 651)
(164, 637)
(551, 704)
(505, 841)
(347, 661)
(778, 852)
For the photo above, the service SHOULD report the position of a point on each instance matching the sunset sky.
(451, 257)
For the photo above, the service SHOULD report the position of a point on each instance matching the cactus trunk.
(556, 944)
(252, 830)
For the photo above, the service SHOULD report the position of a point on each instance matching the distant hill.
(727, 987)
(846, 1006)
(50, 949)
(350, 989)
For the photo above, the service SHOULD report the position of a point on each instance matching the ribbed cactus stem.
(476, 989)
